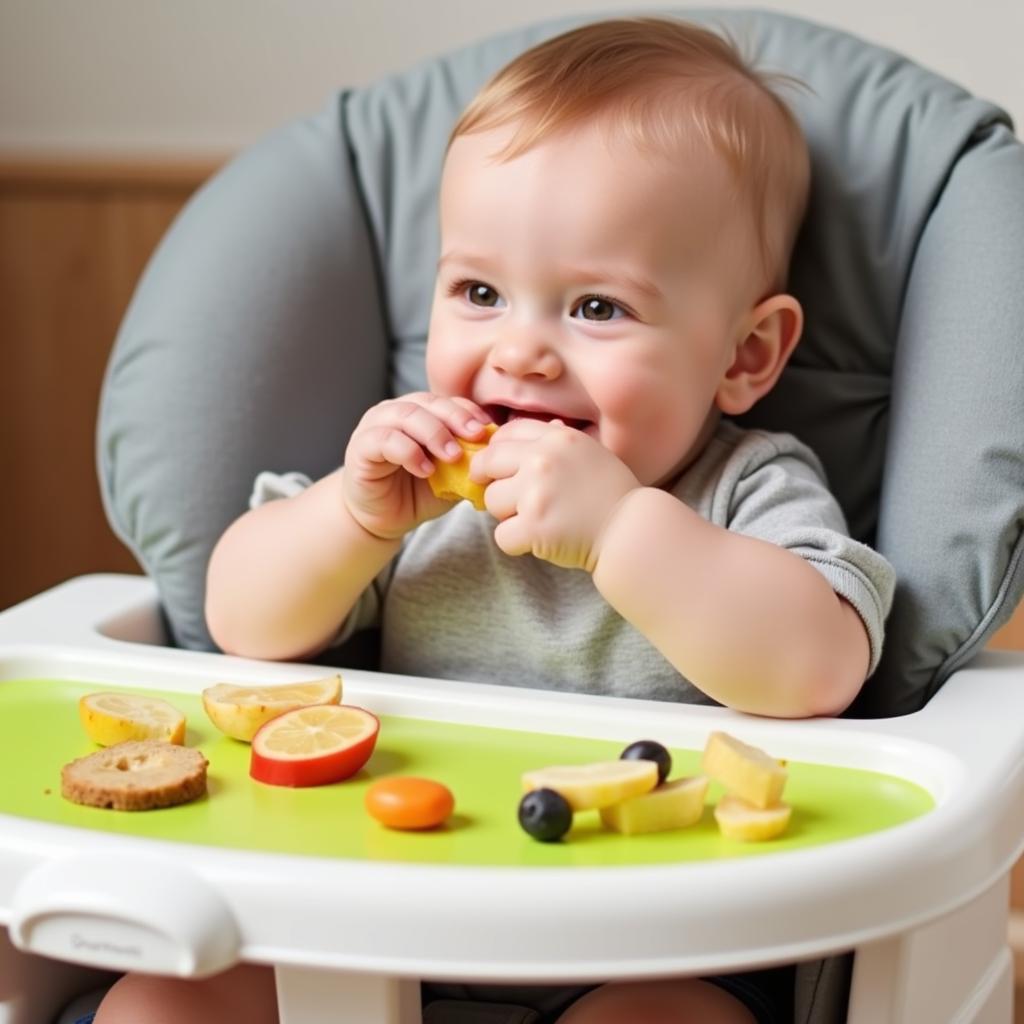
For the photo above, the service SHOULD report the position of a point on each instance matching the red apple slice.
(313, 746)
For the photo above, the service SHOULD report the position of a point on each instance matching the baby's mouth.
(506, 413)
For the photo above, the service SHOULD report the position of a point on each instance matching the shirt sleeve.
(777, 492)
(365, 614)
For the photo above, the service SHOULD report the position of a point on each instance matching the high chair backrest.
(294, 291)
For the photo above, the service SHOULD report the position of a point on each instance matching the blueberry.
(649, 750)
(545, 815)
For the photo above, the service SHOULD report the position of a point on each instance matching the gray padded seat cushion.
(294, 291)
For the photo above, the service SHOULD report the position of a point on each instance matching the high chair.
(292, 293)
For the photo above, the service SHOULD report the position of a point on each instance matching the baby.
(618, 208)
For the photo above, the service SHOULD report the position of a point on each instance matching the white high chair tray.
(389, 914)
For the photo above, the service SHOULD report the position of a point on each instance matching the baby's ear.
(771, 332)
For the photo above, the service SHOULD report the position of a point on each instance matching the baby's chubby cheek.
(448, 372)
(648, 435)
(627, 408)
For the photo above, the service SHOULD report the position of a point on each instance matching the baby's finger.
(475, 418)
(422, 415)
(461, 416)
(511, 536)
(394, 447)
(432, 428)
(500, 498)
(502, 458)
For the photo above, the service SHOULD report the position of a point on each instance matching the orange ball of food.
(406, 802)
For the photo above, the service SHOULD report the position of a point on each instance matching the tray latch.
(122, 913)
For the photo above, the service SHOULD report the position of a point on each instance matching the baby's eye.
(594, 307)
(480, 294)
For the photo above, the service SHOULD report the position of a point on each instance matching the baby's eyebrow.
(466, 259)
(615, 276)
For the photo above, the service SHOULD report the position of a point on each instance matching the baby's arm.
(752, 624)
(284, 576)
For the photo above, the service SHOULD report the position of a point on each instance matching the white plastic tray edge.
(557, 924)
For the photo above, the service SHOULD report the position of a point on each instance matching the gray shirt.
(452, 605)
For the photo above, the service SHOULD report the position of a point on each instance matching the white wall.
(211, 75)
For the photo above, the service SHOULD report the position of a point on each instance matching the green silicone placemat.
(40, 731)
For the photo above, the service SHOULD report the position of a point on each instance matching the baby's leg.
(245, 994)
(676, 1001)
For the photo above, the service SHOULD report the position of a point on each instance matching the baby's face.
(607, 288)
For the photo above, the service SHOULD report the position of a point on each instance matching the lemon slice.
(238, 711)
(110, 718)
(743, 770)
(596, 785)
(312, 746)
(738, 819)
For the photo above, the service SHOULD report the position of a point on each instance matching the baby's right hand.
(388, 459)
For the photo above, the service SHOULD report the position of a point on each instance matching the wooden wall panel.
(1011, 636)
(73, 240)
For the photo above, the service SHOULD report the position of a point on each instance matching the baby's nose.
(526, 354)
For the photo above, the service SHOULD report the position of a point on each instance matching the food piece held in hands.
(650, 750)
(110, 718)
(312, 746)
(407, 802)
(137, 775)
(545, 815)
(741, 820)
(744, 771)
(450, 480)
(676, 804)
(238, 711)
(597, 785)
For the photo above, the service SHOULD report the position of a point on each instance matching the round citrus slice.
(238, 711)
(312, 746)
(601, 784)
(110, 718)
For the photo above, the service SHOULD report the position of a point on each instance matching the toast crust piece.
(137, 775)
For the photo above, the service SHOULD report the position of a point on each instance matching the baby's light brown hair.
(661, 84)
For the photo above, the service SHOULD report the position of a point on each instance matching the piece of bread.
(450, 480)
(136, 775)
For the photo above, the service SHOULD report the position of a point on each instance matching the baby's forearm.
(749, 623)
(283, 577)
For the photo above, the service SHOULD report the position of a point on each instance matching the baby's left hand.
(554, 490)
